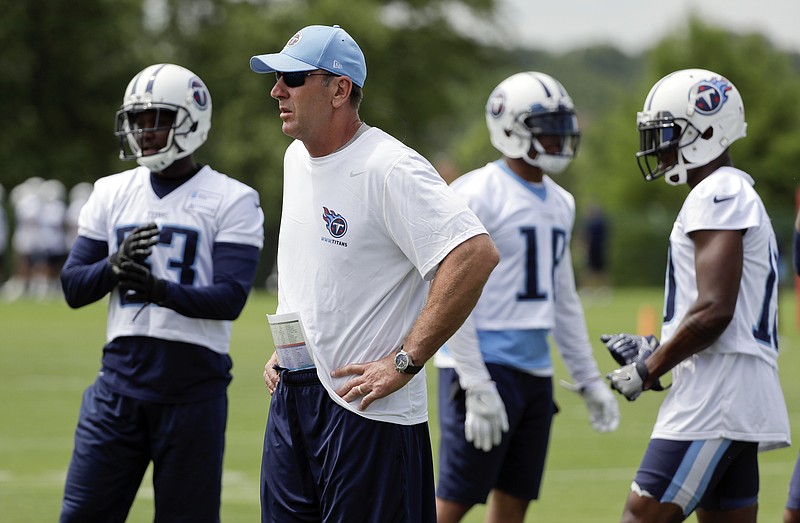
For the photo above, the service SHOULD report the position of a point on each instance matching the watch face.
(401, 361)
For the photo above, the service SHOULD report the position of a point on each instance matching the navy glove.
(138, 282)
(136, 246)
(626, 348)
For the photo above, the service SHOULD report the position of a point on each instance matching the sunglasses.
(298, 78)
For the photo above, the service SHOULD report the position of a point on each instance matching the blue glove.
(626, 348)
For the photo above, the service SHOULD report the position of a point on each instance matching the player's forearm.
(86, 275)
(234, 269)
(570, 333)
(453, 294)
(701, 327)
(465, 350)
(718, 266)
(223, 301)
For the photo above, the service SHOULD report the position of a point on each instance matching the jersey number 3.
(182, 241)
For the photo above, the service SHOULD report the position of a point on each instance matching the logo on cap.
(294, 40)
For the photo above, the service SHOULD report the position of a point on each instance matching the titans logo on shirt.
(335, 223)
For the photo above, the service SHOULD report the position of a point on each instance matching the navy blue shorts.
(516, 466)
(117, 437)
(717, 474)
(323, 463)
(794, 488)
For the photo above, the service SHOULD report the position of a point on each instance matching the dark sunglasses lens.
(292, 79)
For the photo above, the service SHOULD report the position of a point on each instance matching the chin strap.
(678, 171)
(548, 163)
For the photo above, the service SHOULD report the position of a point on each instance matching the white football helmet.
(525, 106)
(690, 117)
(164, 87)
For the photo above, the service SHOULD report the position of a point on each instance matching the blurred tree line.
(65, 66)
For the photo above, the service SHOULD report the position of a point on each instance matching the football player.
(175, 244)
(531, 294)
(719, 335)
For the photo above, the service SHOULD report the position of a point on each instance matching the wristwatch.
(403, 363)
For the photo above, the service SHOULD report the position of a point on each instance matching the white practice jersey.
(361, 230)
(533, 286)
(208, 208)
(730, 389)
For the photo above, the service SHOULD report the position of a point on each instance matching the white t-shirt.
(208, 208)
(533, 286)
(730, 389)
(362, 229)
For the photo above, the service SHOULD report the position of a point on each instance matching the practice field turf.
(50, 353)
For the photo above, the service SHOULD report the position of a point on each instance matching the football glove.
(486, 418)
(602, 406)
(139, 283)
(136, 246)
(629, 380)
(628, 348)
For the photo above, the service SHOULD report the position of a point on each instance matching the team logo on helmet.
(711, 95)
(497, 104)
(199, 93)
(335, 223)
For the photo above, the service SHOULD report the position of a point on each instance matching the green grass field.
(49, 354)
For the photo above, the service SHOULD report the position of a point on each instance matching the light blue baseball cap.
(324, 47)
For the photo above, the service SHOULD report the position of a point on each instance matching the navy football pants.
(116, 439)
(323, 463)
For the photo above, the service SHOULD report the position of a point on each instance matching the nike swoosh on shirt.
(353, 174)
(717, 199)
